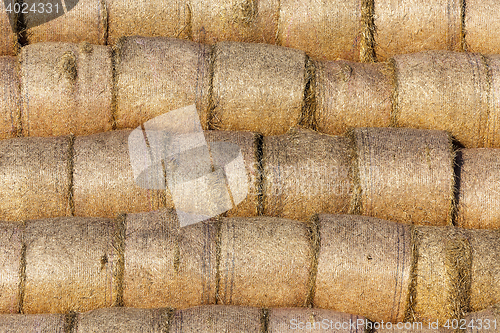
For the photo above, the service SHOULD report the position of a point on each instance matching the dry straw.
(11, 252)
(405, 26)
(66, 88)
(8, 39)
(480, 26)
(234, 20)
(478, 200)
(87, 21)
(492, 130)
(34, 178)
(257, 87)
(305, 172)
(10, 106)
(42, 323)
(157, 75)
(444, 91)
(405, 175)
(166, 265)
(350, 95)
(491, 314)
(169, 18)
(364, 266)
(264, 262)
(323, 29)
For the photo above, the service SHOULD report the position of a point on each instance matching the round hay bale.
(34, 178)
(304, 173)
(492, 130)
(42, 323)
(8, 39)
(72, 21)
(364, 266)
(478, 201)
(488, 320)
(157, 75)
(70, 265)
(484, 287)
(123, 320)
(405, 26)
(443, 90)
(257, 87)
(481, 25)
(249, 144)
(159, 18)
(66, 88)
(11, 252)
(10, 103)
(103, 180)
(234, 20)
(405, 175)
(217, 318)
(166, 265)
(314, 321)
(323, 29)
(264, 262)
(350, 95)
(441, 275)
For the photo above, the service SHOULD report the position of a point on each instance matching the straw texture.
(34, 178)
(257, 87)
(157, 75)
(44, 323)
(492, 130)
(234, 20)
(363, 266)
(103, 180)
(148, 18)
(10, 97)
(166, 265)
(489, 317)
(66, 88)
(87, 21)
(350, 95)
(79, 257)
(405, 175)
(305, 173)
(478, 201)
(227, 319)
(444, 91)
(11, 252)
(481, 26)
(8, 39)
(264, 262)
(323, 29)
(408, 26)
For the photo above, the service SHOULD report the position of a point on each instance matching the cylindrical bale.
(158, 18)
(306, 173)
(71, 21)
(405, 26)
(323, 29)
(217, 318)
(478, 200)
(70, 265)
(443, 90)
(10, 102)
(264, 262)
(257, 87)
(314, 321)
(234, 20)
(157, 75)
(487, 320)
(249, 145)
(484, 287)
(103, 180)
(442, 274)
(66, 88)
(40, 323)
(364, 266)
(405, 175)
(166, 265)
(115, 320)
(8, 39)
(350, 95)
(34, 178)
(492, 130)
(481, 26)
(11, 252)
